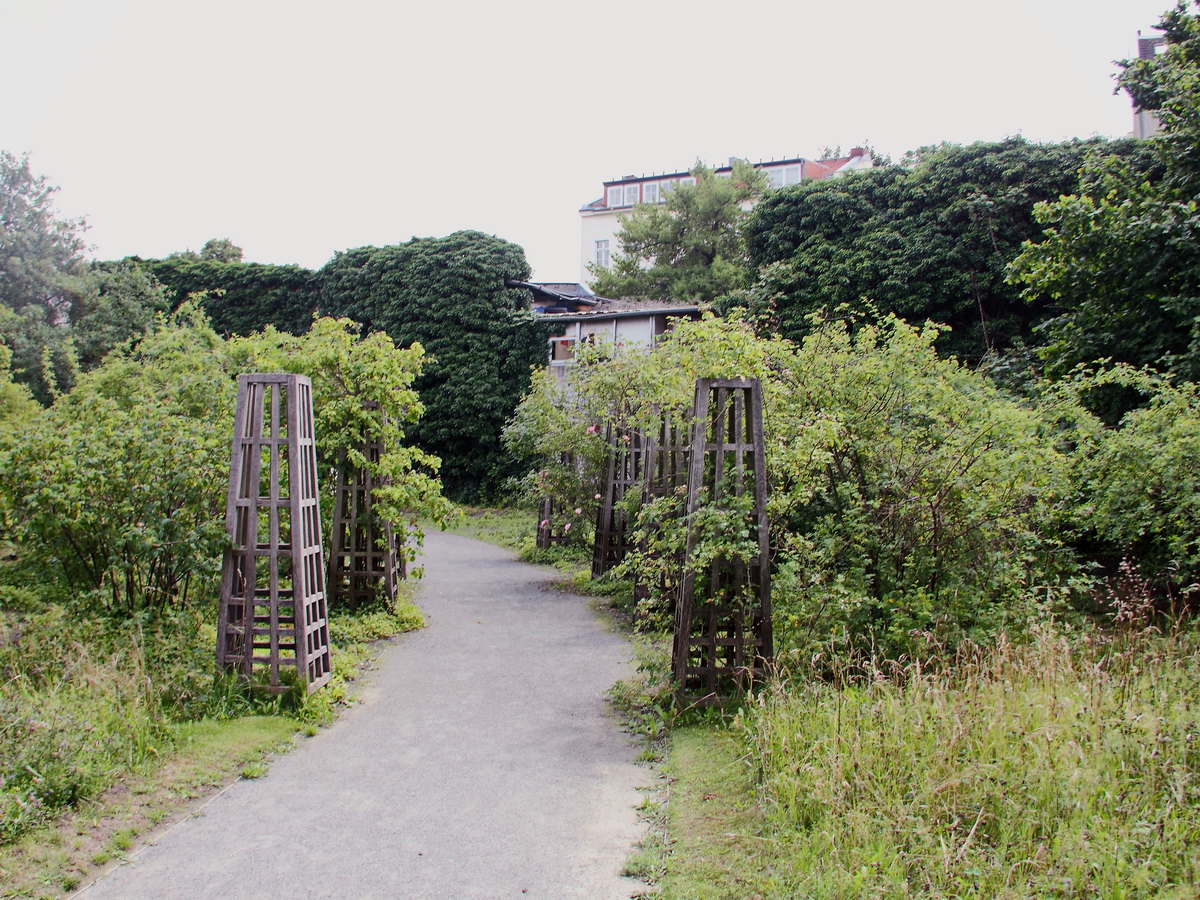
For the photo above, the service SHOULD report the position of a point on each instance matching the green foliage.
(448, 295)
(241, 298)
(120, 308)
(1028, 771)
(16, 402)
(363, 392)
(930, 241)
(221, 250)
(40, 252)
(1118, 258)
(909, 495)
(116, 492)
(1137, 485)
(690, 247)
(76, 704)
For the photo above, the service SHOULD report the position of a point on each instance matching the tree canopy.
(931, 240)
(448, 295)
(1118, 259)
(689, 247)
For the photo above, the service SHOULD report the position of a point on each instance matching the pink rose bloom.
(578, 510)
(567, 527)
(545, 522)
(597, 497)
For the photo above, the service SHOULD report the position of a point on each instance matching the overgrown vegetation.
(113, 505)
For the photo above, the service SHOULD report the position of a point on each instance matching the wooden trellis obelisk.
(552, 514)
(273, 613)
(723, 619)
(624, 473)
(364, 560)
(666, 456)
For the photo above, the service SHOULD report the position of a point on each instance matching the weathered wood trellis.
(364, 558)
(552, 514)
(626, 462)
(666, 468)
(723, 638)
(273, 616)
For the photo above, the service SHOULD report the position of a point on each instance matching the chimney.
(858, 151)
(1148, 46)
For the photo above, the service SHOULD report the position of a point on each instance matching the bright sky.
(298, 128)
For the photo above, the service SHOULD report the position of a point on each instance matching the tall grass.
(1051, 769)
(76, 707)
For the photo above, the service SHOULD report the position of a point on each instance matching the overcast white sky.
(299, 128)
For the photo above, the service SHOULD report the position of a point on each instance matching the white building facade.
(600, 220)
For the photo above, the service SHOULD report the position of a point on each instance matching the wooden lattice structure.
(272, 626)
(623, 473)
(723, 619)
(553, 515)
(364, 558)
(666, 455)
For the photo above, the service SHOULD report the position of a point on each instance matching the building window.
(614, 196)
(602, 258)
(791, 175)
(650, 192)
(775, 177)
(631, 194)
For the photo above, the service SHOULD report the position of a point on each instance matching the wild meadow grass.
(1057, 768)
(85, 702)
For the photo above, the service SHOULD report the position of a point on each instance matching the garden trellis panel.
(553, 528)
(666, 468)
(273, 624)
(723, 640)
(614, 538)
(364, 559)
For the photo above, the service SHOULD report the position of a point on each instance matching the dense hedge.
(243, 297)
(448, 294)
(930, 241)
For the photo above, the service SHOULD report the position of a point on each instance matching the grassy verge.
(511, 528)
(1055, 769)
(106, 733)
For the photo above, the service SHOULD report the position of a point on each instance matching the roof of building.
(625, 308)
(814, 170)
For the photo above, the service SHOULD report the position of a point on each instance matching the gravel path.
(481, 763)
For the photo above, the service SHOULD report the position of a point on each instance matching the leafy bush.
(908, 494)
(117, 490)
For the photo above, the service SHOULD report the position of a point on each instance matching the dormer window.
(614, 196)
(631, 194)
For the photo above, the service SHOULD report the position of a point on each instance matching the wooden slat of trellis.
(723, 639)
(613, 539)
(273, 616)
(364, 557)
(666, 455)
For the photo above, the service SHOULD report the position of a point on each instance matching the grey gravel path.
(481, 763)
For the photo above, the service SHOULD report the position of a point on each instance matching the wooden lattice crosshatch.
(666, 455)
(623, 473)
(273, 617)
(723, 639)
(364, 559)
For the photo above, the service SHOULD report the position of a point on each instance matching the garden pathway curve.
(482, 762)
